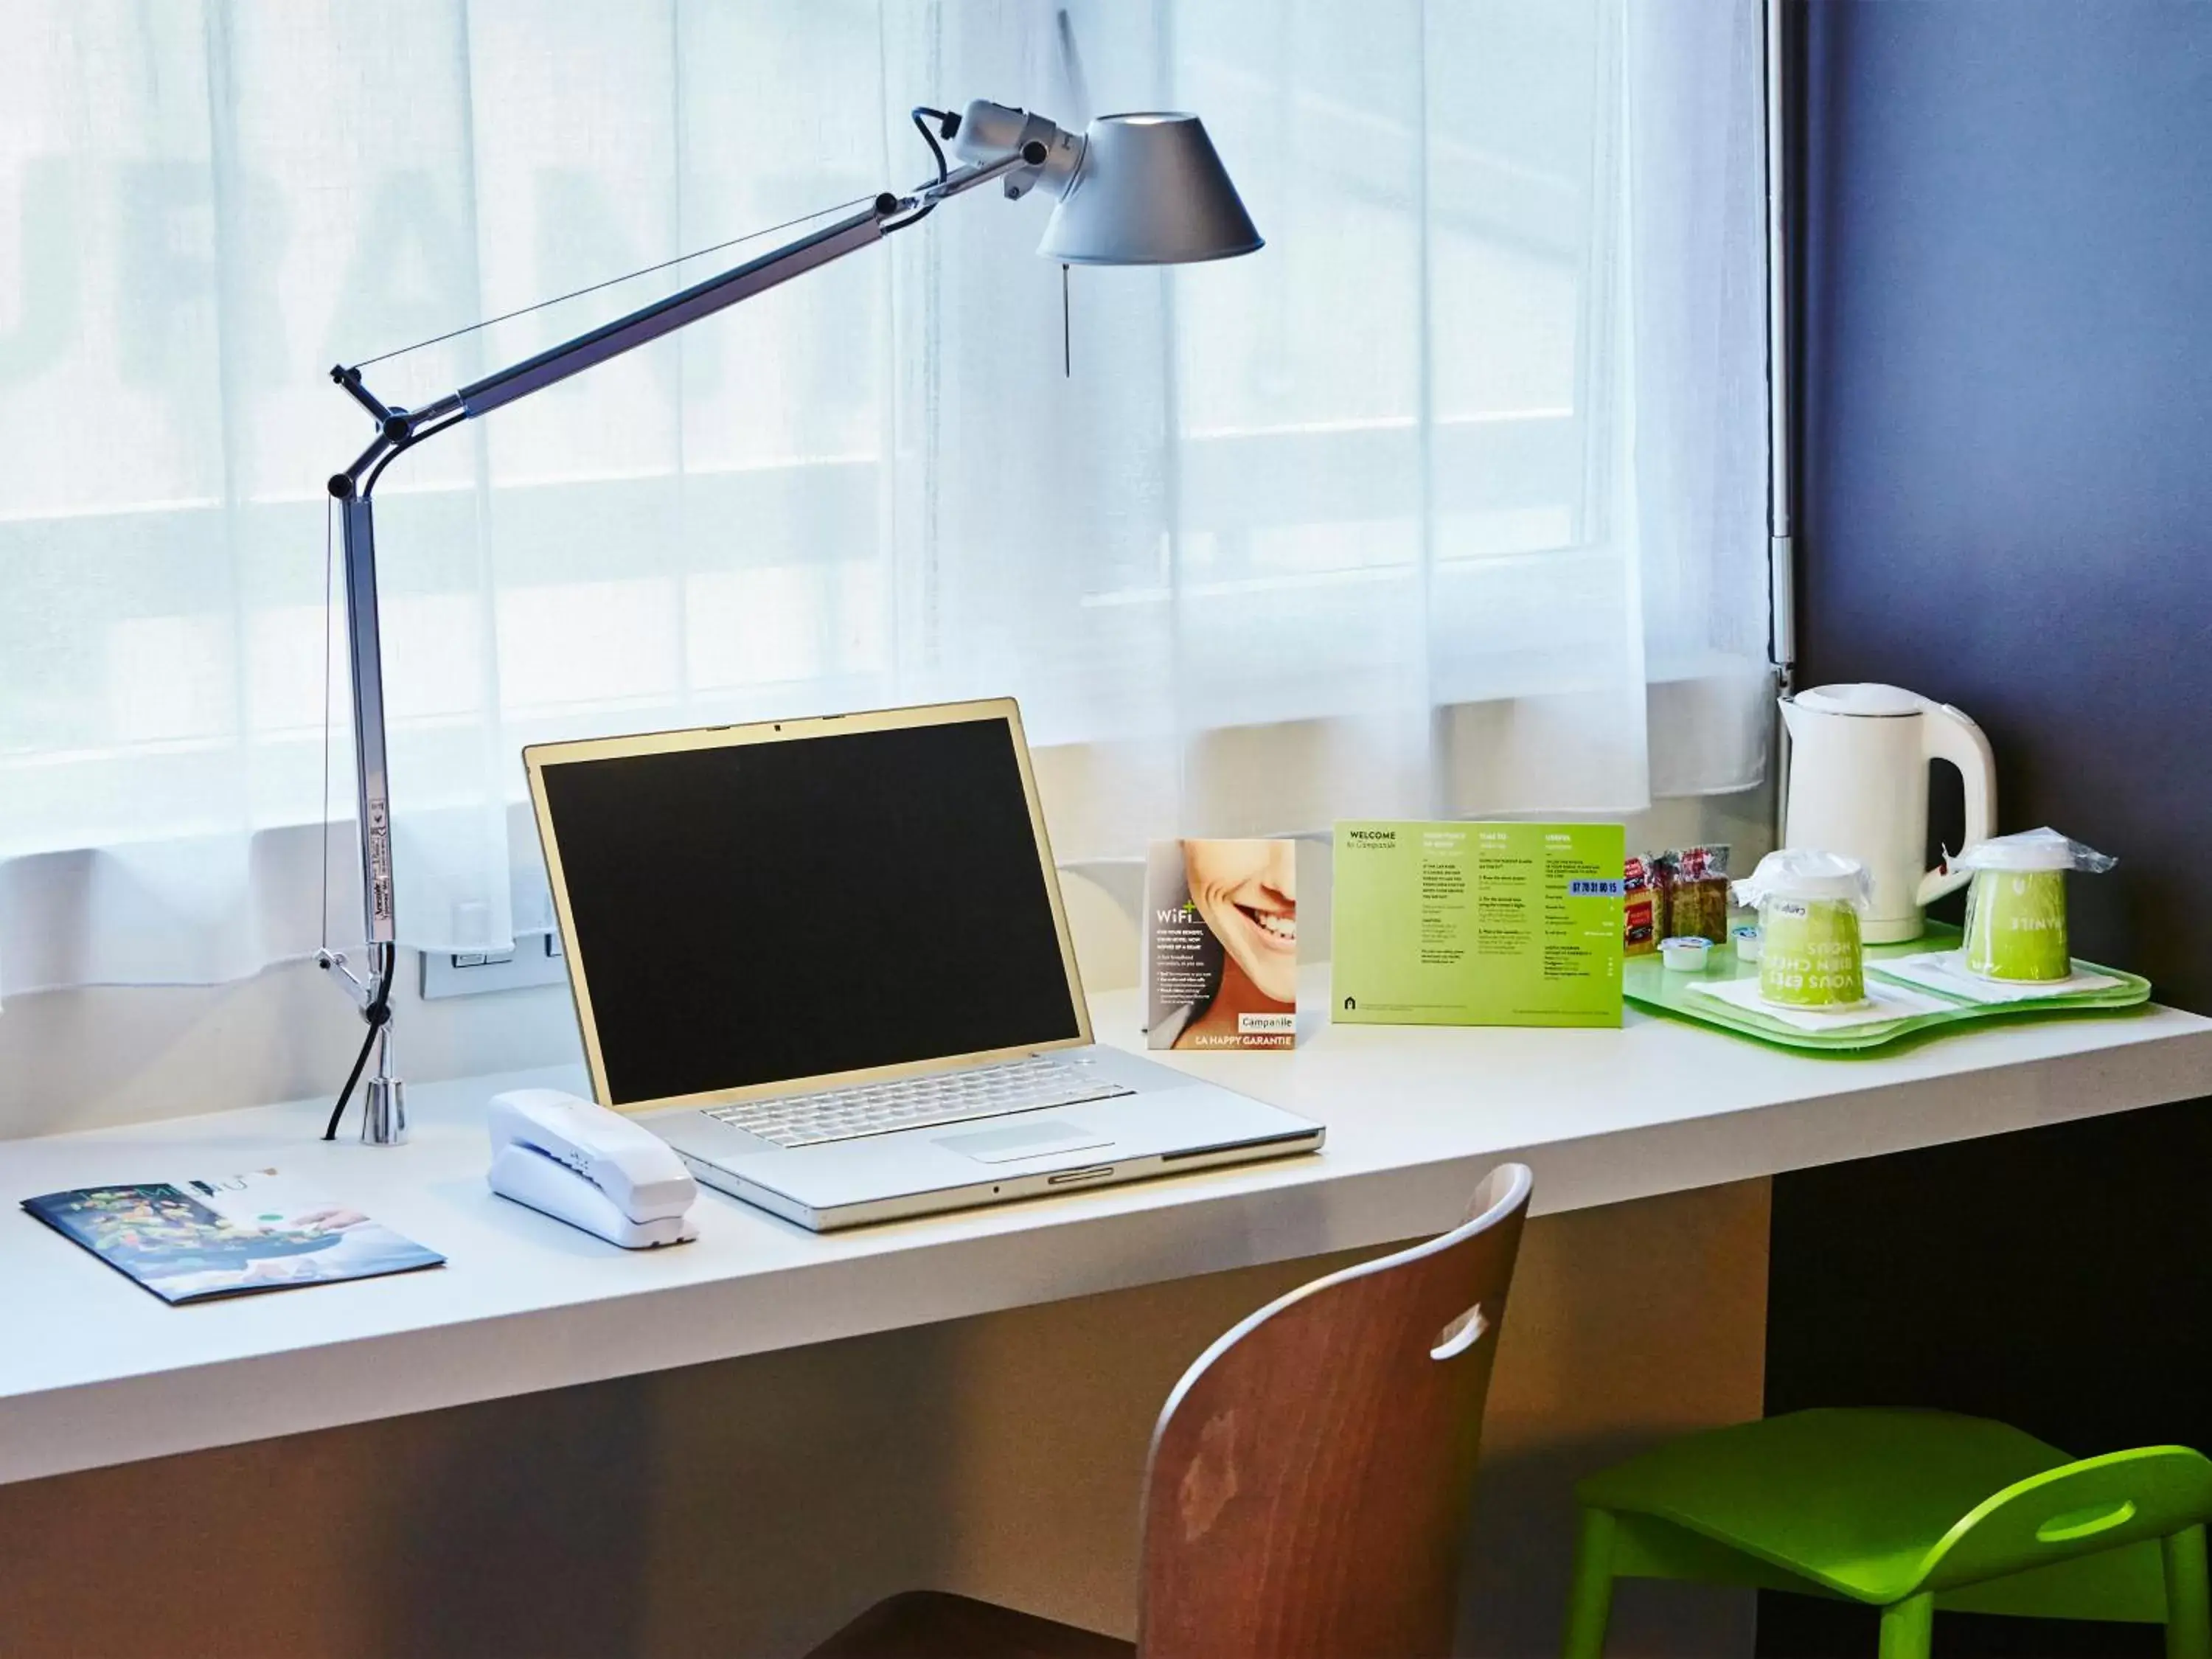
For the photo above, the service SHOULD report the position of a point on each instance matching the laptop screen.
(764, 911)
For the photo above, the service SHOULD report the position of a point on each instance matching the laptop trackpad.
(1053, 1135)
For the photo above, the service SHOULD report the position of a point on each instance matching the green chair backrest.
(2077, 1509)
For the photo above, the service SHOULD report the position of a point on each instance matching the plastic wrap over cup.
(1809, 903)
(2016, 903)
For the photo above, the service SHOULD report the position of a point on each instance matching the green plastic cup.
(2016, 925)
(1809, 954)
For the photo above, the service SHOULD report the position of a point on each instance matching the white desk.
(94, 1372)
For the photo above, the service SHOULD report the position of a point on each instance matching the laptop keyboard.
(918, 1102)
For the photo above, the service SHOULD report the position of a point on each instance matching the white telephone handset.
(589, 1167)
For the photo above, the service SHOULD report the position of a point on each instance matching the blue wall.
(2007, 503)
(2007, 500)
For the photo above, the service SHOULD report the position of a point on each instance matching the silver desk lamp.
(1134, 190)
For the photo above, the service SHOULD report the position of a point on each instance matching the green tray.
(1647, 984)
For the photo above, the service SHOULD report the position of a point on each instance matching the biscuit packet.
(1642, 908)
(1698, 893)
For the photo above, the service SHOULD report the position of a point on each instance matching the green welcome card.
(1477, 924)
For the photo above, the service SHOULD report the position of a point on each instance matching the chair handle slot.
(2087, 1523)
(1460, 1334)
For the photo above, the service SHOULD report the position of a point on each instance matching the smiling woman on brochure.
(1246, 893)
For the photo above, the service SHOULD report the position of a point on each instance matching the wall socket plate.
(535, 960)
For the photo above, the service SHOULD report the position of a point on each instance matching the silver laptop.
(826, 960)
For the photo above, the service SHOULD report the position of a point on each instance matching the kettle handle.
(1949, 735)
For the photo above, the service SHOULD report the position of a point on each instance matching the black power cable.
(378, 1011)
(947, 125)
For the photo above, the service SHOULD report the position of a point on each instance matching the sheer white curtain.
(1450, 499)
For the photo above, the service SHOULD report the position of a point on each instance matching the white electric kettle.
(1859, 786)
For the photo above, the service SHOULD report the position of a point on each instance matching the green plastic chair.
(1907, 1511)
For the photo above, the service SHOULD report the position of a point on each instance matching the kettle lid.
(1877, 700)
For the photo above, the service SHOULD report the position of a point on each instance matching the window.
(1408, 512)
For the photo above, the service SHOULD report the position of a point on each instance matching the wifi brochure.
(1221, 945)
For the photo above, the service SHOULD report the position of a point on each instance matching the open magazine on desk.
(192, 1239)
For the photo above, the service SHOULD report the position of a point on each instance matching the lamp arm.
(960, 181)
(385, 1118)
(401, 428)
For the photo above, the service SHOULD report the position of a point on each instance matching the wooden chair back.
(1309, 1478)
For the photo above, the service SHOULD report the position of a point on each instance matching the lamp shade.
(1150, 191)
